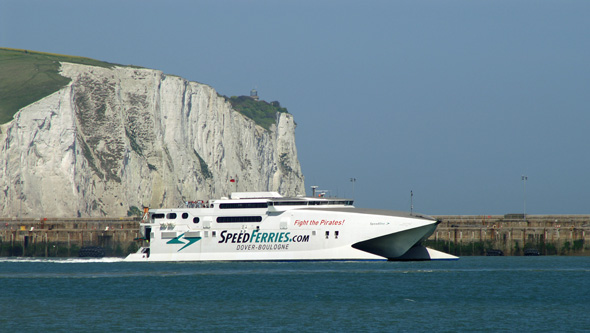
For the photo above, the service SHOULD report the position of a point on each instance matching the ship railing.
(197, 204)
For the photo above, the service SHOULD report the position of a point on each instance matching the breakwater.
(59, 237)
(512, 234)
(461, 235)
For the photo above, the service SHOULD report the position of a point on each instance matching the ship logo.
(177, 240)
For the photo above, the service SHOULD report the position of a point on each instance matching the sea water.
(471, 294)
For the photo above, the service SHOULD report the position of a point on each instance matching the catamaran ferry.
(267, 226)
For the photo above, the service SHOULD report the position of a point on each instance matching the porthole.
(185, 215)
(195, 220)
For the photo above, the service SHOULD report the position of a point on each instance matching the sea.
(482, 294)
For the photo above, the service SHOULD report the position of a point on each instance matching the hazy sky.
(453, 100)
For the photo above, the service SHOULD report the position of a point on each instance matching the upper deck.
(275, 202)
(254, 202)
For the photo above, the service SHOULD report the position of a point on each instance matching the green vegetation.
(517, 250)
(460, 248)
(565, 249)
(263, 113)
(132, 248)
(134, 145)
(478, 248)
(62, 249)
(133, 211)
(284, 163)
(27, 76)
(204, 168)
(578, 245)
(118, 251)
(549, 249)
(90, 158)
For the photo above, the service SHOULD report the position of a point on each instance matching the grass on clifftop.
(262, 112)
(28, 76)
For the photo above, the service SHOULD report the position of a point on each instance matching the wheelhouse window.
(238, 219)
(240, 205)
(289, 203)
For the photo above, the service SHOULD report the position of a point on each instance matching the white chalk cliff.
(116, 138)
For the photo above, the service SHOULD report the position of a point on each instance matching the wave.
(62, 260)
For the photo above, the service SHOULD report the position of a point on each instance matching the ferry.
(265, 226)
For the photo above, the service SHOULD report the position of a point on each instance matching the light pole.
(524, 179)
(353, 180)
(411, 202)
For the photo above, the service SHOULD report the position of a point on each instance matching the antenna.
(411, 202)
(313, 188)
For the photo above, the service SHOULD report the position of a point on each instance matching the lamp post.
(353, 180)
(411, 202)
(524, 179)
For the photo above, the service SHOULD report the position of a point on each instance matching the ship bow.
(396, 244)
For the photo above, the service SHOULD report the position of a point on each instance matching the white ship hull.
(269, 227)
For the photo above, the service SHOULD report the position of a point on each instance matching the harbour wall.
(460, 235)
(513, 234)
(62, 237)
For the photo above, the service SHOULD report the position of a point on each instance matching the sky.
(443, 105)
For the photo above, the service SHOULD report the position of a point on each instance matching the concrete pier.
(512, 234)
(457, 234)
(49, 237)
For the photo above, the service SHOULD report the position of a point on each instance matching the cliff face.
(123, 137)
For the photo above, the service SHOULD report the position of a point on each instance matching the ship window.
(158, 216)
(213, 233)
(336, 234)
(327, 234)
(313, 233)
(243, 205)
(171, 216)
(290, 203)
(185, 215)
(195, 220)
(238, 219)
